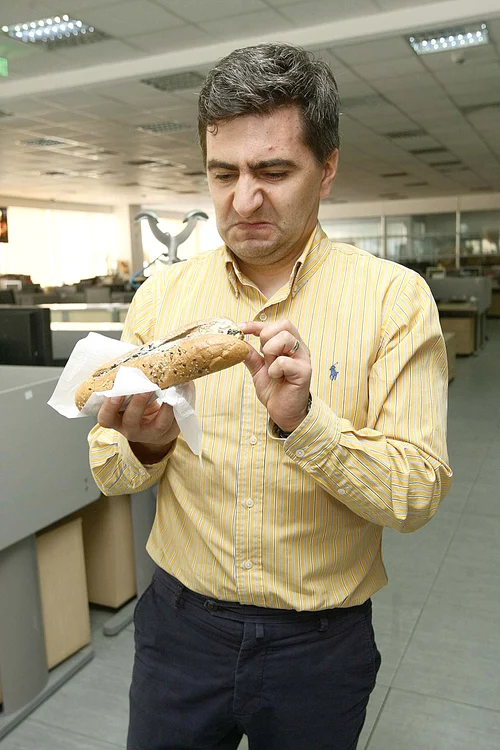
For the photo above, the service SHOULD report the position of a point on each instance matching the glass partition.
(424, 238)
(479, 233)
(365, 233)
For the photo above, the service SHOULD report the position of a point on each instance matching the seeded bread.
(180, 357)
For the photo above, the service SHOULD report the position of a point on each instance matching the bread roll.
(188, 353)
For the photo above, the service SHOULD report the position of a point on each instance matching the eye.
(224, 176)
(275, 175)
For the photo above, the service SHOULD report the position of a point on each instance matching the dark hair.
(261, 79)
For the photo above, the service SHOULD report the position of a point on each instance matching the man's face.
(266, 185)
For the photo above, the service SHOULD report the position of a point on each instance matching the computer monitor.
(7, 297)
(25, 336)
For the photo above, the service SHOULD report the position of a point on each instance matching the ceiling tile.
(396, 4)
(112, 50)
(136, 93)
(22, 11)
(324, 11)
(354, 89)
(471, 98)
(376, 51)
(245, 25)
(170, 39)
(195, 11)
(471, 57)
(421, 82)
(75, 6)
(133, 17)
(74, 99)
(479, 74)
(389, 68)
(26, 106)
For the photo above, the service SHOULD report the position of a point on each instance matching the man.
(258, 619)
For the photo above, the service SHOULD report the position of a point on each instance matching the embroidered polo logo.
(334, 373)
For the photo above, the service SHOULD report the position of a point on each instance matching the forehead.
(277, 133)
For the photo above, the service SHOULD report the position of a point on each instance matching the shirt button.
(300, 453)
(253, 440)
(249, 503)
(248, 564)
(263, 316)
(342, 492)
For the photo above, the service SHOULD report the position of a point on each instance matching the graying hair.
(259, 80)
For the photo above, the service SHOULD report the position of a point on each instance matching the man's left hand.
(281, 372)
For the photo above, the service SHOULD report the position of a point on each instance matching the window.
(59, 247)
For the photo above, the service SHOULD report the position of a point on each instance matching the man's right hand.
(149, 428)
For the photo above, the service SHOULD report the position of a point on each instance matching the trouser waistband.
(237, 611)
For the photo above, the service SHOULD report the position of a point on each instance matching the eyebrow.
(255, 167)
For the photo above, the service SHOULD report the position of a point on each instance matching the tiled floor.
(437, 623)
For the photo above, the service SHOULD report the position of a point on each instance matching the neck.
(268, 279)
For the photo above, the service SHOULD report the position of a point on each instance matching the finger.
(152, 408)
(275, 328)
(165, 418)
(291, 370)
(253, 361)
(135, 409)
(252, 327)
(284, 343)
(109, 413)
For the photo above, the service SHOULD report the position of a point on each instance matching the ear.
(329, 173)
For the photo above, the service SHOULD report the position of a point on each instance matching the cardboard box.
(63, 588)
(464, 330)
(494, 310)
(451, 353)
(109, 551)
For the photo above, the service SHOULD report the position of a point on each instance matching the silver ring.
(295, 347)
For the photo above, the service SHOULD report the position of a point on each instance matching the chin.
(252, 247)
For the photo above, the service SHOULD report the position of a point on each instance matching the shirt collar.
(309, 261)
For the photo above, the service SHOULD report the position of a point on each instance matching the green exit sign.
(4, 67)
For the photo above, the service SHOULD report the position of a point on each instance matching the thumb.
(254, 361)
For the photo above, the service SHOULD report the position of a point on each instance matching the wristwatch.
(279, 433)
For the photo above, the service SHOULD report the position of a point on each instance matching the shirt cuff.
(316, 435)
(128, 456)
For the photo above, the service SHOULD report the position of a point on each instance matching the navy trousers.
(206, 672)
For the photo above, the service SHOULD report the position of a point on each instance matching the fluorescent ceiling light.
(164, 127)
(447, 40)
(54, 32)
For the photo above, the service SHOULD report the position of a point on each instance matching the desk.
(494, 311)
(66, 334)
(451, 351)
(45, 477)
(467, 322)
(79, 312)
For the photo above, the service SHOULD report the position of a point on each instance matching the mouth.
(252, 224)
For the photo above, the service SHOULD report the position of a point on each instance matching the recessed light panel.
(55, 32)
(447, 40)
(176, 81)
(165, 127)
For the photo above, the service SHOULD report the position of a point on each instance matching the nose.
(247, 198)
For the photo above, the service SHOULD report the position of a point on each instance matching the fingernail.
(115, 400)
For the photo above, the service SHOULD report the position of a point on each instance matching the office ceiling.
(411, 126)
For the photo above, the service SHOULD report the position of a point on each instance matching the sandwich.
(185, 354)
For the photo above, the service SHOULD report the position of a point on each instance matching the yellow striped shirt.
(296, 524)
